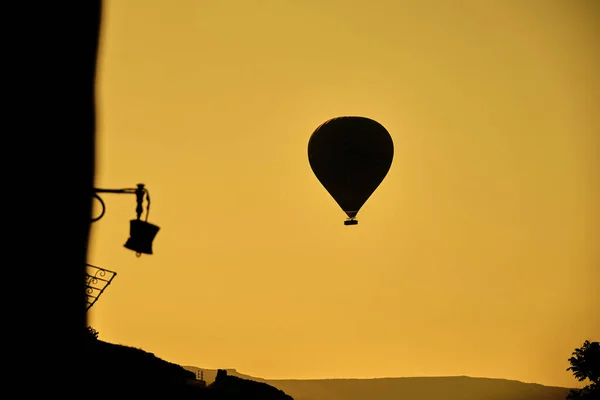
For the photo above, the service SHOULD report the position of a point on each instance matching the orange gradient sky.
(478, 255)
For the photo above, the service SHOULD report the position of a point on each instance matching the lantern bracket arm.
(140, 191)
(115, 191)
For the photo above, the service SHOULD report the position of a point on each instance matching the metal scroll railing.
(96, 281)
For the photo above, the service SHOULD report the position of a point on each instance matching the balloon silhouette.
(350, 156)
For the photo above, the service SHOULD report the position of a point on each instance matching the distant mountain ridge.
(417, 388)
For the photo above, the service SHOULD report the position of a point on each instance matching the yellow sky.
(476, 256)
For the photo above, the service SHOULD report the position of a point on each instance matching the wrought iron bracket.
(140, 191)
(96, 281)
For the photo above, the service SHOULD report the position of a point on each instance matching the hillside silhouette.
(235, 387)
(118, 370)
(421, 388)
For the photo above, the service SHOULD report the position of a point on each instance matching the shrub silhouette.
(92, 333)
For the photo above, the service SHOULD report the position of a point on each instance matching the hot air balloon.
(350, 156)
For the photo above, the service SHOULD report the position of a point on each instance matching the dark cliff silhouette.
(49, 138)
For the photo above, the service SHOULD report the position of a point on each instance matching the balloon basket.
(351, 221)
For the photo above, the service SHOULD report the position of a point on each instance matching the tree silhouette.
(585, 364)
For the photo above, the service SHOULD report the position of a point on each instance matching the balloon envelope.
(350, 156)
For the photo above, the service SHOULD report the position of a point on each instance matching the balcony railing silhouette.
(96, 281)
